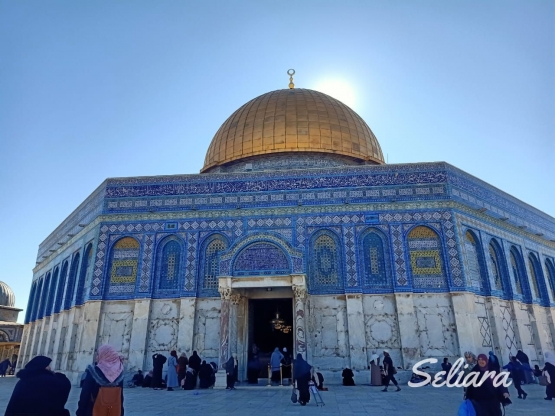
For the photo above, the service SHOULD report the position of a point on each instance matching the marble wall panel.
(163, 328)
(206, 339)
(116, 324)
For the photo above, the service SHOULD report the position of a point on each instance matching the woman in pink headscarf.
(108, 372)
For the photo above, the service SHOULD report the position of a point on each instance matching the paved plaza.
(267, 401)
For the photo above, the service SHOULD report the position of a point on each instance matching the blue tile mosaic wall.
(52, 292)
(61, 288)
(86, 269)
(68, 300)
(550, 276)
(261, 259)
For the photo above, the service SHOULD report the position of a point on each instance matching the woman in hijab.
(550, 369)
(172, 371)
(471, 362)
(194, 363)
(231, 371)
(527, 370)
(182, 362)
(253, 369)
(204, 375)
(39, 391)
(108, 372)
(494, 364)
(190, 380)
(375, 372)
(275, 364)
(486, 398)
(301, 374)
(4, 365)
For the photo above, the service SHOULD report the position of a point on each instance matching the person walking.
(389, 370)
(516, 369)
(182, 363)
(231, 371)
(301, 375)
(39, 391)
(471, 362)
(158, 361)
(275, 364)
(493, 363)
(172, 371)
(526, 369)
(486, 398)
(549, 368)
(102, 391)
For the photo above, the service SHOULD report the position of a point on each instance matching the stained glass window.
(169, 266)
(375, 270)
(495, 266)
(516, 271)
(61, 287)
(533, 277)
(550, 273)
(475, 275)
(325, 261)
(212, 263)
(425, 258)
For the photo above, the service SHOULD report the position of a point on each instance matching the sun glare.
(338, 89)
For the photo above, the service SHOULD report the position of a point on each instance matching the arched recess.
(325, 268)
(169, 260)
(536, 279)
(426, 259)
(374, 255)
(36, 303)
(4, 337)
(44, 297)
(85, 275)
(124, 265)
(28, 312)
(61, 287)
(68, 301)
(52, 292)
(211, 250)
(476, 275)
(550, 275)
(518, 270)
(261, 258)
(500, 279)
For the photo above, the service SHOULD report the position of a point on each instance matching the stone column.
(357, 332)
(137, 343)
(225, 293)
(299, 291)
(235, 300)
(408, 329)
(464, 309)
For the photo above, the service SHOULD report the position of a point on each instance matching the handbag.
(544, 379)
(294, 395)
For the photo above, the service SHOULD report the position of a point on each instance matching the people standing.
(194, 363)
(389, 370)
(549, 369)
(182, 363)
(102, 390)
(494, 364)
(516, 370)
(375, 371)
(486, 398)
(172, 371)
(253, 369)
(205, 375)
(301, 375)
(39, 391)
(286, 361)
(4, 365)
(158, 361)
(231, 371)
(275, 364)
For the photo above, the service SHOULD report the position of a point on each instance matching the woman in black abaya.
(301, 375)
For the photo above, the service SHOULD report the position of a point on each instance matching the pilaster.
(356, 331)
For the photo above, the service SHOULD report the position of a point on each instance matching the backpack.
(467, 409)
(108, 402)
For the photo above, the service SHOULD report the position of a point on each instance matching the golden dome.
(293, 120)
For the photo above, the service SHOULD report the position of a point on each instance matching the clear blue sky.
(97, 89)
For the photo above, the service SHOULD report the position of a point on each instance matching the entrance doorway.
(262, 331)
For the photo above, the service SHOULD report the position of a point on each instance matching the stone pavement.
(269, 401)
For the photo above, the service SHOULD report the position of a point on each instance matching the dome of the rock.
(293, 120)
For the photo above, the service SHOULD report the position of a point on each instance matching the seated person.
(138, 379)
(147, 382)
(190, 380)
(319, 382)
(348, 377)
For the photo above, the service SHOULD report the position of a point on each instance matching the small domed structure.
(7, 298)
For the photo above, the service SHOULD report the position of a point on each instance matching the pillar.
(187, 310)
(464, 310)
(299, 292)
(137, 343)
(408, 330)
(357, 333)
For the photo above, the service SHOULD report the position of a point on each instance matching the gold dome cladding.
(293, 120)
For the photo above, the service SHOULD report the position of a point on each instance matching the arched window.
(376, 258)
(31, 302)
(550, 274)
(534, 272)
(68, 301)
(517, 270)
(84, 275)
(325, 270)
(61, 288)
(52, 292)
(496, 267)
(211, 264)
(37, 300)
(425, 258)
(44, 297)
(476, 276)
(124, 266)
(169, 265)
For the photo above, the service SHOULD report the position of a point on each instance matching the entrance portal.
(262, 331)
